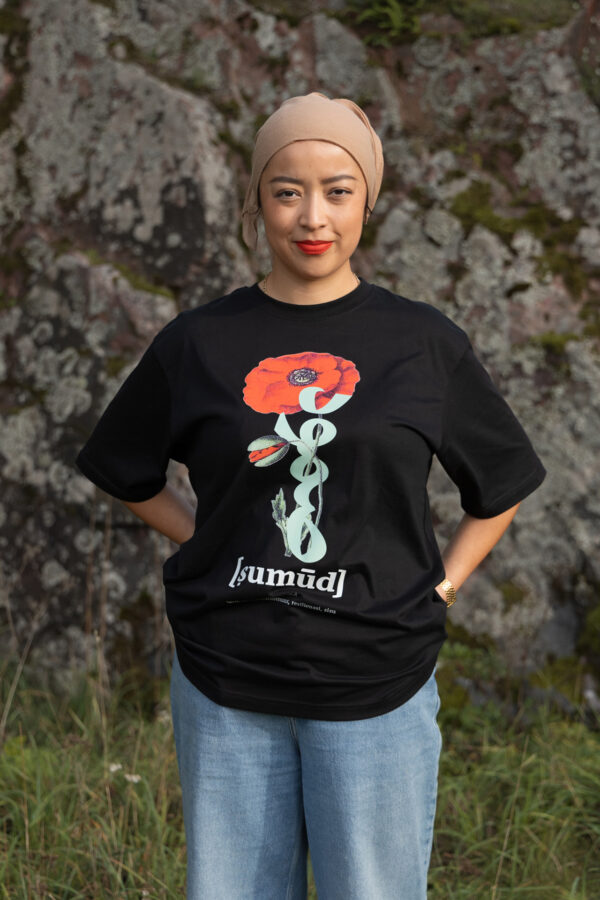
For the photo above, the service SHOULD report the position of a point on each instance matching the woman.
(308, 596)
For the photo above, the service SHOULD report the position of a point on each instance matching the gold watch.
(449, 591)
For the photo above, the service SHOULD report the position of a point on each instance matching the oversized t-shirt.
(308, 586)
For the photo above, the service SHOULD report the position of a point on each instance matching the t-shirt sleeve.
(127, 453)
(484, 448)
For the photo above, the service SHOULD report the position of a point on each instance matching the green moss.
(484, 18)
(194, 83)
(452, 695)
(260, 120)
(554, 346)
(229, 108)
(453, 175)
(369, 234)
(564, 675)
(512, 594)
(141, 283)
(458, 634)
(137, 281)
(472, 207)
(290, 11)
(15, 58)
(554, 342)
(6, 301)
(590, 79)
(115, 364)
(383, 23)
(421, 197)
(237, 147)
(567, 266)
(590, 313)
(589, 638)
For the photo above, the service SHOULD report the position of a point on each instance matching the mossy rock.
(473, 206)
(564, 675)
(512, 594)
(369, 234)
(553, 342)
(453, 696)
(485, 18)
(115, 364)
(385, 23)
(458, 634)
(589, 638)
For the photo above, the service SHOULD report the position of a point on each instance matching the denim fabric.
(260, 789)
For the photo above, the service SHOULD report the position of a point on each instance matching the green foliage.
(512, 594)
(389, 21)
(554, 345)
(237, 147)
(115, 364)
(369, 234)
(484, 18)
(589, 639)
(564, 675)
(474, 206)
(90, 804)
(590, 78)
(553, 342)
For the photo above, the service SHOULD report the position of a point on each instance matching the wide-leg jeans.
(260, 790)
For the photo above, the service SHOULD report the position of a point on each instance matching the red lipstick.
(313, 248)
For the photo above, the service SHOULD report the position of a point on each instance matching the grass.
(90, 799)
(386, 23)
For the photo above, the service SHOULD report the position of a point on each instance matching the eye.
(339, 192)
(287, 193)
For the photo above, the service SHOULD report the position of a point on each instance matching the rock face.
(125, 136)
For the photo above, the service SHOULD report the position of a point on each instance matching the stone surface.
(123, 165)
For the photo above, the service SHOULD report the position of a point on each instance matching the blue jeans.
(260, 789)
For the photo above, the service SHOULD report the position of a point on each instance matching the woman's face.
(312, 191)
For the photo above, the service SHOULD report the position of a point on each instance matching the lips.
(313, 248)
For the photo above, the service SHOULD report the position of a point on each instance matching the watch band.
(449, 591)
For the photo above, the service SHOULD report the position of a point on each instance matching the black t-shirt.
(308, 587)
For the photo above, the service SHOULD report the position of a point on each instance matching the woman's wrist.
(447, 591)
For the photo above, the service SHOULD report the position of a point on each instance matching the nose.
(313, 214)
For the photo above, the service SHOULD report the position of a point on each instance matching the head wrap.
(313, 117)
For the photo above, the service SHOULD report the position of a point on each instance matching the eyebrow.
(288, 178)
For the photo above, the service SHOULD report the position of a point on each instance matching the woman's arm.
(168, 512)
(470, 543)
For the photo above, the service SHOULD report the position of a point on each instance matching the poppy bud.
(264, 451)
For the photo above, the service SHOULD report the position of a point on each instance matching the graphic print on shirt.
(315, 383)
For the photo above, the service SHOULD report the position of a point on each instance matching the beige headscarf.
(313, 117)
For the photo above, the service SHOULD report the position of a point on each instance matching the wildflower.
(115, 767)
(132, 778)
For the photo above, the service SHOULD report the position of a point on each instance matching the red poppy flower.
(275, 383)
